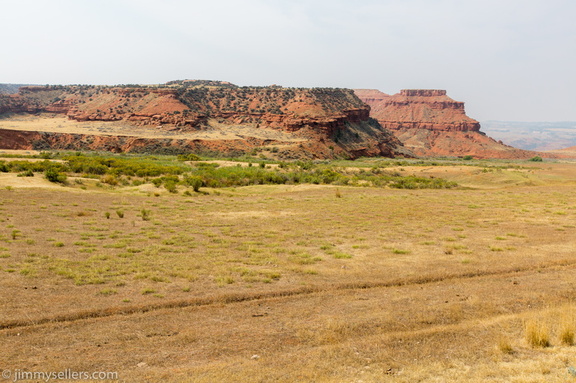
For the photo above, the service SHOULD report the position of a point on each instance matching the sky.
(508, 60)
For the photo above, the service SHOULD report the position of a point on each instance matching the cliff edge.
(296, 122)
(430, 123)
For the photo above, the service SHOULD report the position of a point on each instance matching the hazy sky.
(507, 59)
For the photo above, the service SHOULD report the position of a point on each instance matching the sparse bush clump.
(110, 180)
(194, 181)
(27, 173)
(170, 186)
(53, 175)
(145, 214)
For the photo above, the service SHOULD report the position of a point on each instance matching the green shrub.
(193, 181)
(536, 159)
(53, 175)
(170, 186)
(27, 173)
(110, 180)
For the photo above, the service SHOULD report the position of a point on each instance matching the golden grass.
(48, 122)
(374, 285)
(537, 333)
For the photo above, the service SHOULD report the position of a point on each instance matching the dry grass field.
(295, 283)
(47, 122)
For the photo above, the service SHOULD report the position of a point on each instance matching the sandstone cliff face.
(430, 123)
(327, 123)
(429, 109)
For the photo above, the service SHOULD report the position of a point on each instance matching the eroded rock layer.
(323, 123)
(430, 123)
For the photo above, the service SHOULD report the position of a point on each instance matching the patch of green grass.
(224, 280)
(108, 292)
(304, 259)
(157, 278)
(28, 271)
(340, 255)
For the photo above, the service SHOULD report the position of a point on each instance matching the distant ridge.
(11, 88)
(542, 136)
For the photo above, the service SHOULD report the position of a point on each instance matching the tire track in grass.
(231, 298)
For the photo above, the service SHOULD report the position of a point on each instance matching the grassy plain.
(292, 283)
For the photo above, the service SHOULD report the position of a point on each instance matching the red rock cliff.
(429, 123)
(332, 122)
(429, 109)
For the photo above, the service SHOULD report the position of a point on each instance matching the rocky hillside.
(430, 123)
(321, 123)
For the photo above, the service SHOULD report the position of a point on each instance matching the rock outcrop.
(430, 123)
(325, 123)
